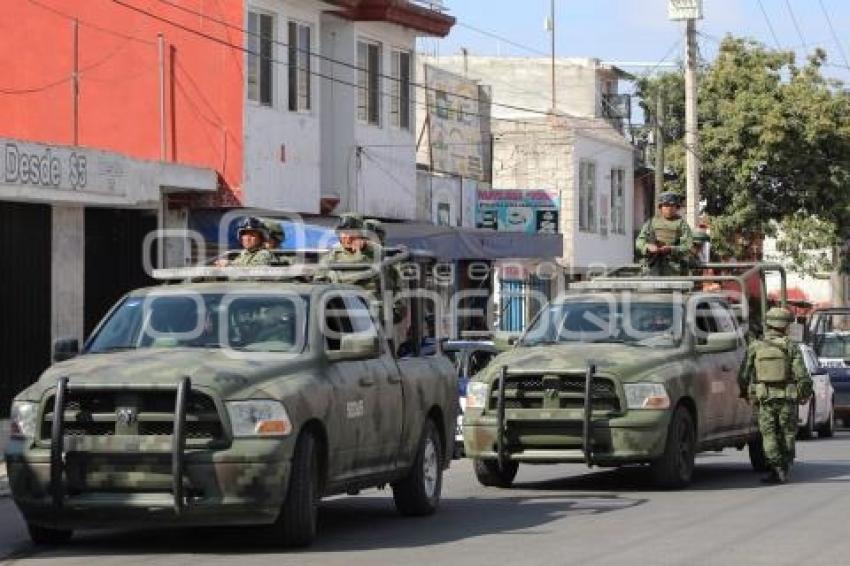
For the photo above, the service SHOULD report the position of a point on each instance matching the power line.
(796, 24)
(834, 35)
(337, 80)
(90, 24)
(769, 25)
(503, 39)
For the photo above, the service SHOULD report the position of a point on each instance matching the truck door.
(709, 388)
(735, 413)
(383, 400)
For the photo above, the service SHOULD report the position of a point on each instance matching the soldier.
(275, 234)
(665, 239)
(354, 247)
(393, 275)
(252, 234)
(774, 377)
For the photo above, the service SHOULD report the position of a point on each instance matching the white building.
(330, 111)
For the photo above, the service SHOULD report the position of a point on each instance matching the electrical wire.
(769, 25)
(503, 39)
(796, 24)
(834, 35)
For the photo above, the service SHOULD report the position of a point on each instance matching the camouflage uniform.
(663, 232)
(254, 256)
(775, 378)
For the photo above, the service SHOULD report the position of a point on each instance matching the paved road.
(556, 515)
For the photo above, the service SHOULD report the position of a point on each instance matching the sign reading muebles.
(61, 168)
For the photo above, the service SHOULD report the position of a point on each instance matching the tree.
(774, 148)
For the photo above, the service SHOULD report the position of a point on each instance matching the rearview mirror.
(65, 349)
(719, 342)
(505, 340)
(361, 346)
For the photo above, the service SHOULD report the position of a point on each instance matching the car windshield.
(650, 324)
(835, 346)
(257, 323)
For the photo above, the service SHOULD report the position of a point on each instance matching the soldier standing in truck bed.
(665, 240)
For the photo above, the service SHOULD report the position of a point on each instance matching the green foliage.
(774, 148)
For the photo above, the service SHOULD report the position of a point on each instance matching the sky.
(639, 30)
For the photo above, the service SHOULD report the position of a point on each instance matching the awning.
(445, 242)
(448, 243)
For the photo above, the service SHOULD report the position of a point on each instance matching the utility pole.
(75, 82)
(659, 147)
(691, 126)
(550, 26)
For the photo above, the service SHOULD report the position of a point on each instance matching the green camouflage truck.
(228, 400)
(620, 371)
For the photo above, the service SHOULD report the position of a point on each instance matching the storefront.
(73, 222)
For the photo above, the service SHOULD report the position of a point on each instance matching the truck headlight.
(23, 419)
(646, 396)
(258, 418)
(476, 394)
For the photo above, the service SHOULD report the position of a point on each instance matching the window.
(618, 201)
(368, 82)
(587, 196)
(725, 320)
(400, 95)
(346, 315)
(259, 66)
(299, 66)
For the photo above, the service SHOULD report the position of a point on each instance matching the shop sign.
(527, 211)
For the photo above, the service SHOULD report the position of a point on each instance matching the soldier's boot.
(772, 477)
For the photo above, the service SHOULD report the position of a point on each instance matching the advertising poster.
(526, 211)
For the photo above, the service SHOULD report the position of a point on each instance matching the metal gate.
(114, 262)
(521, 301)
(25, 246)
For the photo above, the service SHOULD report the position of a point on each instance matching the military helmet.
(274, 229)
(375, 227)
(701, 237)
(669, 197)
(350, 222)
(252, 224)
(778, 317)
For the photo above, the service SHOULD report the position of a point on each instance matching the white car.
(819, 413)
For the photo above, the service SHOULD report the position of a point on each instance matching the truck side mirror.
(65, 349)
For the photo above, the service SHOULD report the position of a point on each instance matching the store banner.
(526, 211)
(454, 124)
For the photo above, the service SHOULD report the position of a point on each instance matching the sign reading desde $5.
(44, 167)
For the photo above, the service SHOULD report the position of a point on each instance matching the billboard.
(526, 211)
(454, 124)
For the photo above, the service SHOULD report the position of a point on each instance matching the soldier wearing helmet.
(774, 377)
(252, 235)
(354, 247)
(273, 242)
(665, 240)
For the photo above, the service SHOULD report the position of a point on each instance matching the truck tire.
(827, 429)
(296, 524)
(489, 474)
(675, 467)
(807, 431)
(757, 458)
(47, 536)
(418, 494)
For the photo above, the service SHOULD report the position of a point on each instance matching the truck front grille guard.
(57, 436)
(587, 421)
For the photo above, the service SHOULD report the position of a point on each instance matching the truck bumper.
(638, 436)
(126, 490)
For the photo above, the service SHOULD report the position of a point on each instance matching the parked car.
(469, 357)
(817, 414)
(828, 336)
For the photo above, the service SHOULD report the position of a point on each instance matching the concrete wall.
(68, 272)
(283, 153)
(525, 82)
(371, 169)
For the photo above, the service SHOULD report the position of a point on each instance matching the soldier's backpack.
(773, 362)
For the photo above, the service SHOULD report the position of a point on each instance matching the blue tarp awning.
(445, 242)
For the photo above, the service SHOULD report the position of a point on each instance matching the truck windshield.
(258, 323)
(651, 324)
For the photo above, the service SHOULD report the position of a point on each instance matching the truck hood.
(213, 369)
(626, 362)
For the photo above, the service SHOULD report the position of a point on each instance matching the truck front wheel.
(419, 492)
(673, 470)
(489, 474)
(296, 524)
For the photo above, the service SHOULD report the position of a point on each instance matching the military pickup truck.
(231, 397)
(621, 370)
